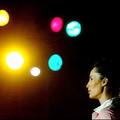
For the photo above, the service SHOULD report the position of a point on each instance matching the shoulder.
(103, 114)
(111, 112)
(108, 113)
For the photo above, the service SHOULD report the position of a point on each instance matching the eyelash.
(91, 78)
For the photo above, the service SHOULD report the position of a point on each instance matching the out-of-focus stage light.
(35, 71)
(73, 29)
(55, 62)
(4, 17)
(56, 24)
(14, 60)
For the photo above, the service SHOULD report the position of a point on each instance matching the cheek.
(96, 90)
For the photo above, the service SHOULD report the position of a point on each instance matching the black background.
(60, 94)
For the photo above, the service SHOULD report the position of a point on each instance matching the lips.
(89, 91)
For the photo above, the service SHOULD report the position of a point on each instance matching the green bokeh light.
(73, 29)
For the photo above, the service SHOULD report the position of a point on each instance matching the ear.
(104, 81)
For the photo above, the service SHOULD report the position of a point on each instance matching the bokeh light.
(4, 17)
(56, 24)
(35, 71)
(14, 60)
(73, 29)
(55, 62)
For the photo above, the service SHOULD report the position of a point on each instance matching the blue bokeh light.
(55, 62)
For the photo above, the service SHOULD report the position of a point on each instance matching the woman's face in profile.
(94, 84)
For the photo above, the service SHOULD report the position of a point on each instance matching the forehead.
(94, 72)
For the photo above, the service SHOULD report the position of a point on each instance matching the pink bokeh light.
(56, 24)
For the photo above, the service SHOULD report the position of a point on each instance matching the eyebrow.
(90, 76)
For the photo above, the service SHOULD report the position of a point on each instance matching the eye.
(90, 78)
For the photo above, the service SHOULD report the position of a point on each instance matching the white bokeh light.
(14, 60)
(35, 71)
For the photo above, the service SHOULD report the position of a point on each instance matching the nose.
(87, 85)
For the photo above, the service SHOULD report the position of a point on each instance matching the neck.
(105, 96)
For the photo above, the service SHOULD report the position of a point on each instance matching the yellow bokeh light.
(14, 60)
(4, 17)
(35, 71)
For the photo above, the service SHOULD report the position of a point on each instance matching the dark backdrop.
(60, 94)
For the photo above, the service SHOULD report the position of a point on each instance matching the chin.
(92, 97)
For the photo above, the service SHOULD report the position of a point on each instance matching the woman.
(103, 86)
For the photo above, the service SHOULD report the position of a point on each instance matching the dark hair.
(107, 68)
